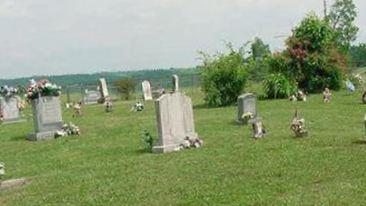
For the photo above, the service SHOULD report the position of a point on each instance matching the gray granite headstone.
(9, 107)
(246, 103)
(47, 118)
(91, 97)
(175, 122)
(146, 89)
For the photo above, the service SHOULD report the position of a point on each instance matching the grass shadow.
(19, 138)
(141, 151)
(236, 123)
(206, 106)
(359, 142)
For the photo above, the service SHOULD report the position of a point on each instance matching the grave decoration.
(259, 130)
(298, 126)
(42, 88)
(69, 129)
(327, 95)
(77, 110)
(6, 91)
(299, 96)
(293, 98)
(350, 86)
(138, 107)
(108, 104)
(11, 106)
(359, 78)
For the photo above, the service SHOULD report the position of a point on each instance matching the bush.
(223, 77)
(311, 58)
(125, 87)
(278, 86)
(148, 140)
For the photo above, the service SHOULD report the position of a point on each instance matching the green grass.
(106, 165)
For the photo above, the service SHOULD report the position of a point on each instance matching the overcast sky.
(42, 37)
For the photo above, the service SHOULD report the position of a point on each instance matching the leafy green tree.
(342, 16)
(223, 77)
(259, 49)
(311, 58)
(358, 55)
(125, 87)
(257, 67)
(277, 86)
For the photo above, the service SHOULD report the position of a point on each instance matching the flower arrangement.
(137, 107)
(247, 116)
(298, 126)
(42, 88)
(6, 91)
(68, 130)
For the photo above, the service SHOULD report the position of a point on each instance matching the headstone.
(91, 97)
(47, 118)
(146, 89)
(175, 123)
(103, 89)
(247, 104)
(9, 108)
(175, 81)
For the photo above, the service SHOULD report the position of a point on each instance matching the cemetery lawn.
(107, 164)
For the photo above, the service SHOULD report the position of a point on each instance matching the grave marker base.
(41, 136)
(12, 121)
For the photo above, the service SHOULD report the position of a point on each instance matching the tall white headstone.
(103, 88)
(175, 122)
(146, 89)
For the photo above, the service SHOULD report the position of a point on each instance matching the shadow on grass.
(359, 142)
(141, 151)
(235, 122)
(19, 138)
(206, 106)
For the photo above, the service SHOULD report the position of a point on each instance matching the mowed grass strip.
(107, 165)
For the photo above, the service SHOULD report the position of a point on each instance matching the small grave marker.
(247, 108)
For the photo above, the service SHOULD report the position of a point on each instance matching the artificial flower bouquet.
(6, 91)
(42, 88)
